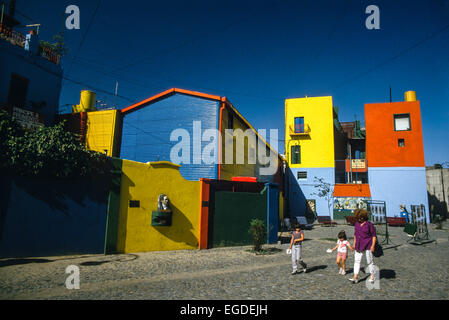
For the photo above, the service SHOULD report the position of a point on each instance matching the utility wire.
(184, 43)
(84, 35)
(386, 61)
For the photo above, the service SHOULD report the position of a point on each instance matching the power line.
(84, 35)
(386, 61)
(184, 43)
(97, 89)
(60, 75)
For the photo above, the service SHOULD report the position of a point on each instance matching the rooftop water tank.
(410, 96)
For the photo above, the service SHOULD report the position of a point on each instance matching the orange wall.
(352, 190)
(382, 148)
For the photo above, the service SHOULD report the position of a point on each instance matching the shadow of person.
(315, 268)
(387, 274)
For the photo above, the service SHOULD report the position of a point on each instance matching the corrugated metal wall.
(146, 132)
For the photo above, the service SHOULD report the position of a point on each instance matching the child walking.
(342, 251)
(296, 246)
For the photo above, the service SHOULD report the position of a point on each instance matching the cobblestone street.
(407, 271)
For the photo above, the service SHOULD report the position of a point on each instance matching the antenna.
(390, 94)
(115, 95)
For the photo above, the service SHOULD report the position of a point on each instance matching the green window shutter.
(296, 155)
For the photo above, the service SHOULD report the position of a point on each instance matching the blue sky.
(258, 53)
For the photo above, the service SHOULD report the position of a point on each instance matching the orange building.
(394, 134)
(395, 154)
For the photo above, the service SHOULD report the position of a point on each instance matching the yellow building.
(103, 131)
(309, 132)
(141, 185)
(313, 138)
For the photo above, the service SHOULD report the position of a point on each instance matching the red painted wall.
(382, 148)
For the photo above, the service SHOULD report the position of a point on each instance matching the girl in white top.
(342, 251)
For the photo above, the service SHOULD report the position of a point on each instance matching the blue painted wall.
(49, 218)
(272, 212)
(302, 189)
(399, 185)
(146, 132)
(44, 79)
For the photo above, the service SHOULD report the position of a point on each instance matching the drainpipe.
(442, 185)
(1, 19)
(220, 144)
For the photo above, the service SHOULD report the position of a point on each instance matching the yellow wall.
(145, 182)
(235, 170)
(281, 206)
(103, 130)
(317, 148)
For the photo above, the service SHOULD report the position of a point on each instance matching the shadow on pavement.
(13, 262)
(286, 239)
(387, 274)
(100, 262)
(315, 268)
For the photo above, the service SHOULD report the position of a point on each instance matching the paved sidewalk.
(406, 272)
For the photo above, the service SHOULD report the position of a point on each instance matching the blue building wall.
(49, 218)
(272, 212)
(399, 185)
(44, 76)
(146, 132)
(299, 190)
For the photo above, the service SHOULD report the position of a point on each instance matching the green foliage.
(325, 190)
(258, 231)
(58, 46)
(46, 152)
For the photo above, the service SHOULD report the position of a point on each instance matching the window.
(402, 122)
(302, 174)
(299, 125)
(401, 143)
(296, 155)
(134, 203)
(18, 87)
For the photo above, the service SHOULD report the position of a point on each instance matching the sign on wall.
(28, 119)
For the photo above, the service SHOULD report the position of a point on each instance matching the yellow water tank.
(410, 96)
(87, 101)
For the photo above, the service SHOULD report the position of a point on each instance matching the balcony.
(356, 165)
(351, 171)
(299, 130)
(18, 39)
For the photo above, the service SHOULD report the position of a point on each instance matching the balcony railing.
(47, 53)
(351, 171)
(16, 38)
(12, 36)
(300, 130)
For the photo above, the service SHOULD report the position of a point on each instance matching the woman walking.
(364, 241)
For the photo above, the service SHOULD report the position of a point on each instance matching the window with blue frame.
(299, 125)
